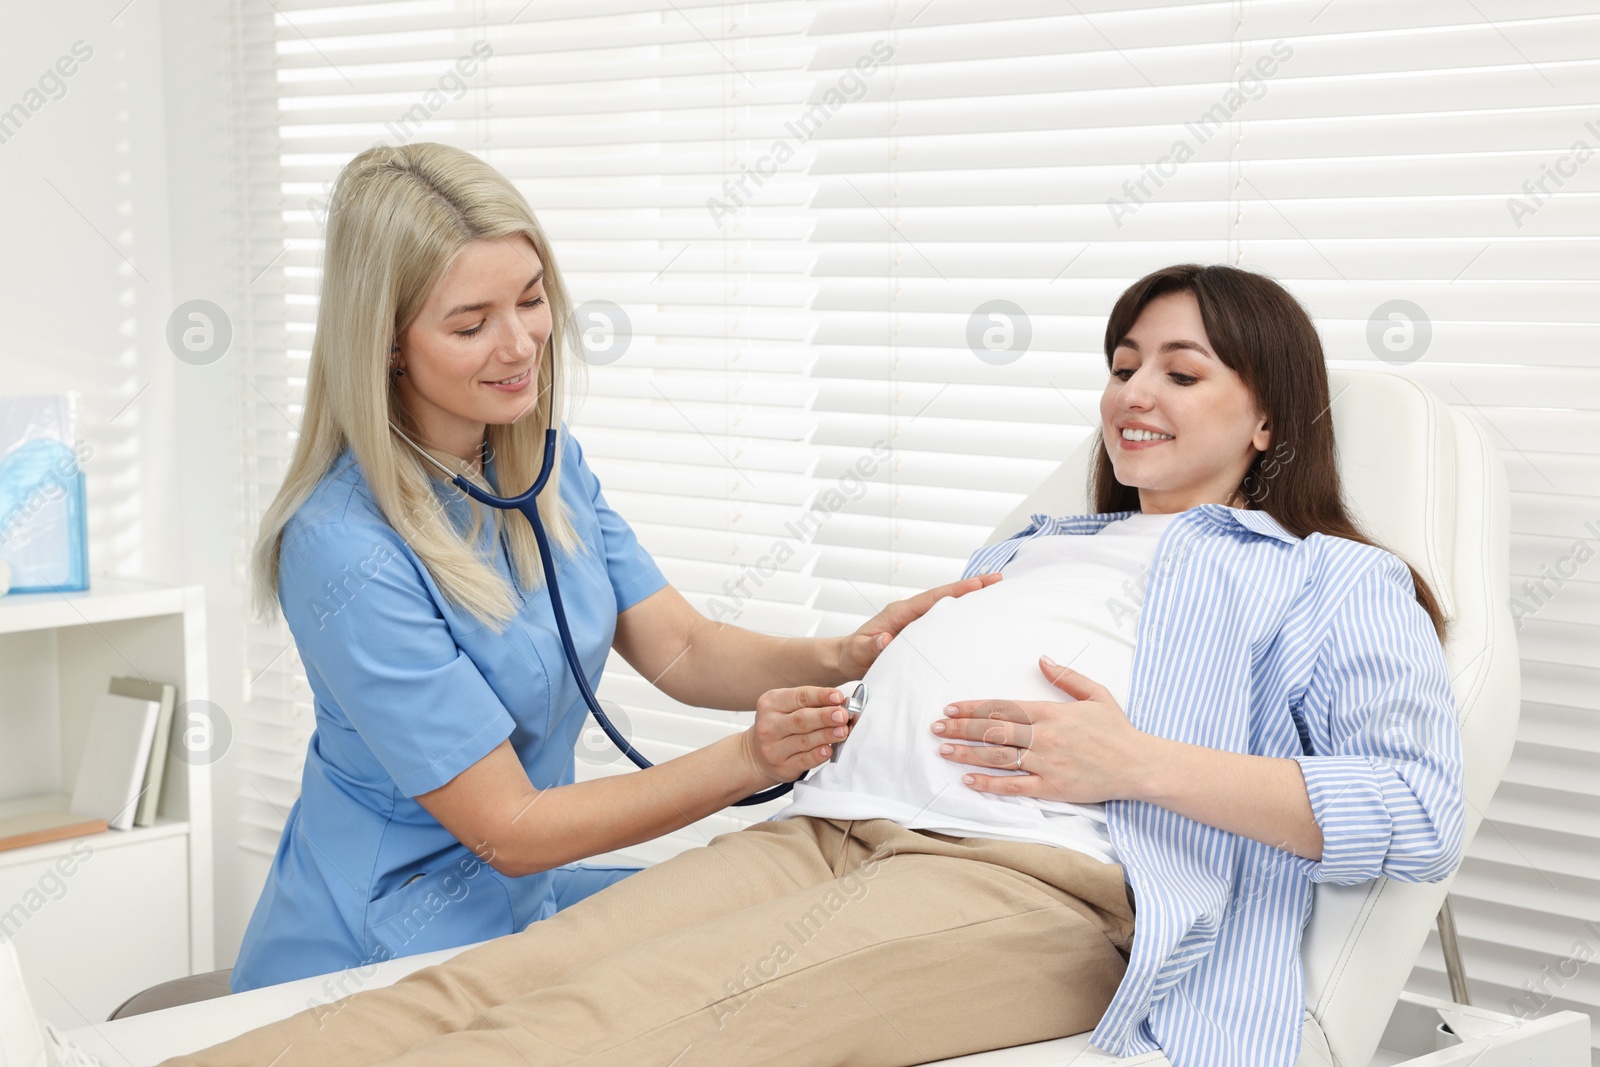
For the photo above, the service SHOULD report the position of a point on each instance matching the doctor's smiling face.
(471, 356)
(1179, 424)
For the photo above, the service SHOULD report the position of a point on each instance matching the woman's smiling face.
(1165, 377)
(486, 320)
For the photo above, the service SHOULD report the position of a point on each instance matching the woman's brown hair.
(1265, 336)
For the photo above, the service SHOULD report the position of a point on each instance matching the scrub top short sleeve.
(410, 690)
(393, 667)
(634, 575)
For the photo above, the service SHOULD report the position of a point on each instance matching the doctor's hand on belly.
(859, 650)
(1082, 752)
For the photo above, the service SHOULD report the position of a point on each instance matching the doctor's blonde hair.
(397, 219)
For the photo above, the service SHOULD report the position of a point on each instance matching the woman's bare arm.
(518, 829)
(1263, 798)
(1087, 752)
(714, 664)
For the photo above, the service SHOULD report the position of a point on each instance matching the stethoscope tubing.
(528, 504)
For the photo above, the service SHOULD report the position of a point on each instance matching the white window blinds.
(1046, 155)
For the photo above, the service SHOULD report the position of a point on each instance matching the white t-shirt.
(1073, 598)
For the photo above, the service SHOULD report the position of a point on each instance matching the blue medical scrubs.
(411, 690)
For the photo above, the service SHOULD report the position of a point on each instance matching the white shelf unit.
(98, 918)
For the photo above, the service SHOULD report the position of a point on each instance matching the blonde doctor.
(438, 805)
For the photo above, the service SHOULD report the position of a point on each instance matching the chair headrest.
(1397, 460)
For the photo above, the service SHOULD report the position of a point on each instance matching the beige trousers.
(801, 942)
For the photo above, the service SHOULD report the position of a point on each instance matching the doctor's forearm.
(1263, 798)
(729, 667)
(604, 814)
(518, 829)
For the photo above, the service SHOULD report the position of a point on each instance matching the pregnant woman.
(1201, 698)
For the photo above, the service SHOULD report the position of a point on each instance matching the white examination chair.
(1423, 480)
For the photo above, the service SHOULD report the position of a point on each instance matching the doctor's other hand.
(857, 651)
(794, 731)
(1083, 751)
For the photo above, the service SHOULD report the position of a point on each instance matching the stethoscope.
(528, 504)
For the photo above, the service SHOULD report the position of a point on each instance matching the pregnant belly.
(984, 645)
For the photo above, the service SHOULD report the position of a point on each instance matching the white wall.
(115, 189)
(86, 277)
(210, 262)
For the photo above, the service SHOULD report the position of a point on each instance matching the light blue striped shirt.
(1243, 622)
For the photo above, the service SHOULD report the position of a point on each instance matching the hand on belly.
(983, 646)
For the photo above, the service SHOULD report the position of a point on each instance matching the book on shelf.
(116, 755)
(120, 773)
(166, 695)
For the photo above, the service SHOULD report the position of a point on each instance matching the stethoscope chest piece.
(853, 708)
